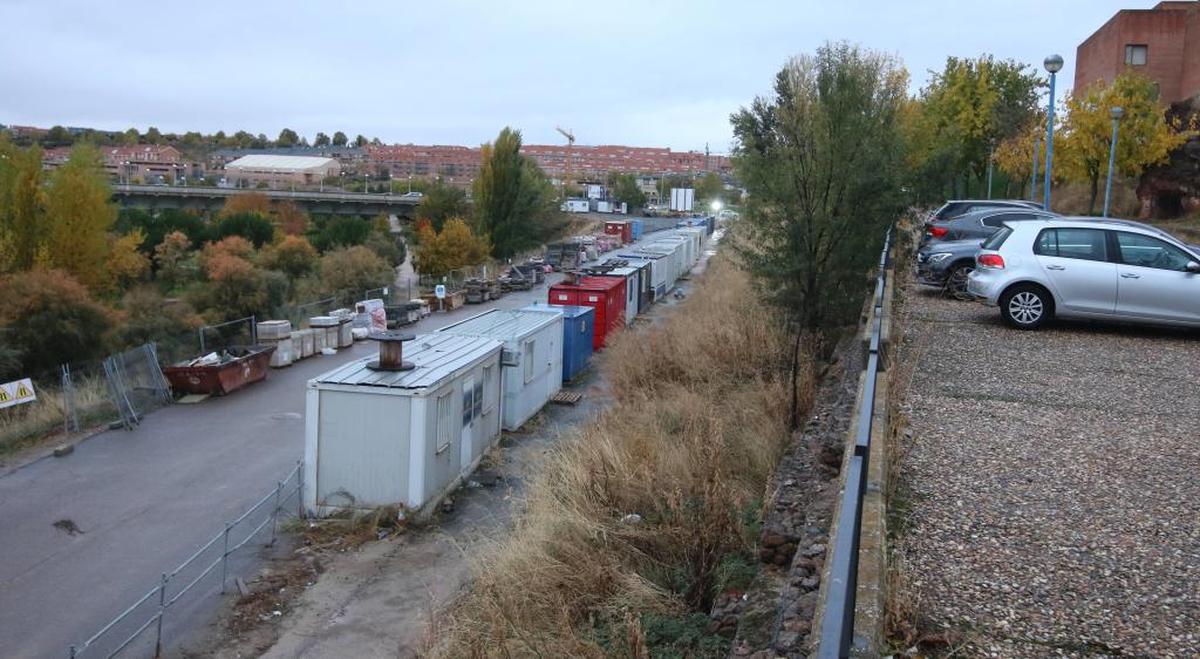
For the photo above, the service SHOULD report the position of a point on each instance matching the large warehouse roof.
(281, 163)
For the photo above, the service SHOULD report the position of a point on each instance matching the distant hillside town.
(244, 160)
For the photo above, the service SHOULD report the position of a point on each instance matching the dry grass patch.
(638, 519)
(25, 425)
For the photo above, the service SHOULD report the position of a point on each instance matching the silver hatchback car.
(1087, 268)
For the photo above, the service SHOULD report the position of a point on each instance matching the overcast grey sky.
(645, 73)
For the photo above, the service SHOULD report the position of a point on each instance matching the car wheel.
(956, 281)
(1026, 307)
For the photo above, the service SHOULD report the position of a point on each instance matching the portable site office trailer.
(636, 227)
(696, 235)
(662, 269)
(633, 286)
(604, 294)
(620, 228)
(645, 294)
(578, 329)
(675, 251)
(532, 359)
(378, 437)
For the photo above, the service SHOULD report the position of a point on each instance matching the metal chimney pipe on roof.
(391, 351)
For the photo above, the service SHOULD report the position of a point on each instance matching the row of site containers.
(630, 231)
(621, 294)
(377, 435)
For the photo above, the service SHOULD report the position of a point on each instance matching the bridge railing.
(207, 191)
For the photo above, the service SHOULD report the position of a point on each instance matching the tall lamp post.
(1116, 113)
(1053, 64)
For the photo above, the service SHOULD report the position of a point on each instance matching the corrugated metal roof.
(437, 357)
(507, 324)
(264, 161)
(568, 310)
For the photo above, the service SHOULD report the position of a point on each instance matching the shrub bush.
(351, 271)
(51, 319)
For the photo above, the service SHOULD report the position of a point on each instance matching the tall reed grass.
(641, 511)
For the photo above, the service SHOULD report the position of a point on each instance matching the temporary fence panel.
(535, 340)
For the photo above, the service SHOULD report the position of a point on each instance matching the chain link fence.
(143, 627)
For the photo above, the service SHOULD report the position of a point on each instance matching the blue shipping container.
(579, 323)
(638, 225)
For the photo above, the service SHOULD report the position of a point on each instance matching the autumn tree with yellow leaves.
(1146, 137)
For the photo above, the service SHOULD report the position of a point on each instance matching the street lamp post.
(1116, 113)
(1053, 64)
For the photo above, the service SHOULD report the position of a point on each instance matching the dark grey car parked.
(946, 264)
(956, 207)
(978, 224)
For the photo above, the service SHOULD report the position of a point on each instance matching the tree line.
(191, 141)
(79, 278)
(840, 149)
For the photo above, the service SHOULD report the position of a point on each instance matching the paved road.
(145, 500)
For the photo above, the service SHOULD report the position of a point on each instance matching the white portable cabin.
(696, 235)
(659, 264)
(645, 282)
(377, 437)
(676, 250)
(532, 360)
(633, 288)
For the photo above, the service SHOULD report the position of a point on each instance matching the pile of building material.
(478, 290)
(278, 334)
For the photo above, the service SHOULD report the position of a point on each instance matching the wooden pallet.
(567, 398)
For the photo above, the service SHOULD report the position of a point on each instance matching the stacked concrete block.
(277, 333)
(327, 325)
(345, 330)
(302, 341)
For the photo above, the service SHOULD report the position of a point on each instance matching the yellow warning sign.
(15, 393)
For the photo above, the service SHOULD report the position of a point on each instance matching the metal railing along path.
(102, 642)
(837, 625)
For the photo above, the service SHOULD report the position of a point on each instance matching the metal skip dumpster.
(235, 368)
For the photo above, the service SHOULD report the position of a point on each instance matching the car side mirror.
(1193, 267)
(982, 242)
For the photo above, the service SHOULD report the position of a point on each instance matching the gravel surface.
(1053, 484)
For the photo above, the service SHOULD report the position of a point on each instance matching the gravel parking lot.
(1053, 485)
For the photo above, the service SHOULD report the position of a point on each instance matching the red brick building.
(138, 163)
(1162, 43)
(460, 164)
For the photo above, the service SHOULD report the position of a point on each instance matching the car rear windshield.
(997, 239)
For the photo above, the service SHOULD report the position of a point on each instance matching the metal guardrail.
(837, 625)
(293, 483)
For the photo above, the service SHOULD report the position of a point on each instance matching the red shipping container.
(619, 228)
(604, 294)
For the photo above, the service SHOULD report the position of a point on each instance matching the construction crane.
(567, 167)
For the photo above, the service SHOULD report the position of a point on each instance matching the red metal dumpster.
(249, 364)
(604, 294)
(619, 228)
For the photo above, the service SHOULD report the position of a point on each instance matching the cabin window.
(468, 400)
(445, 419)
(527, 359)
(489, 381)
